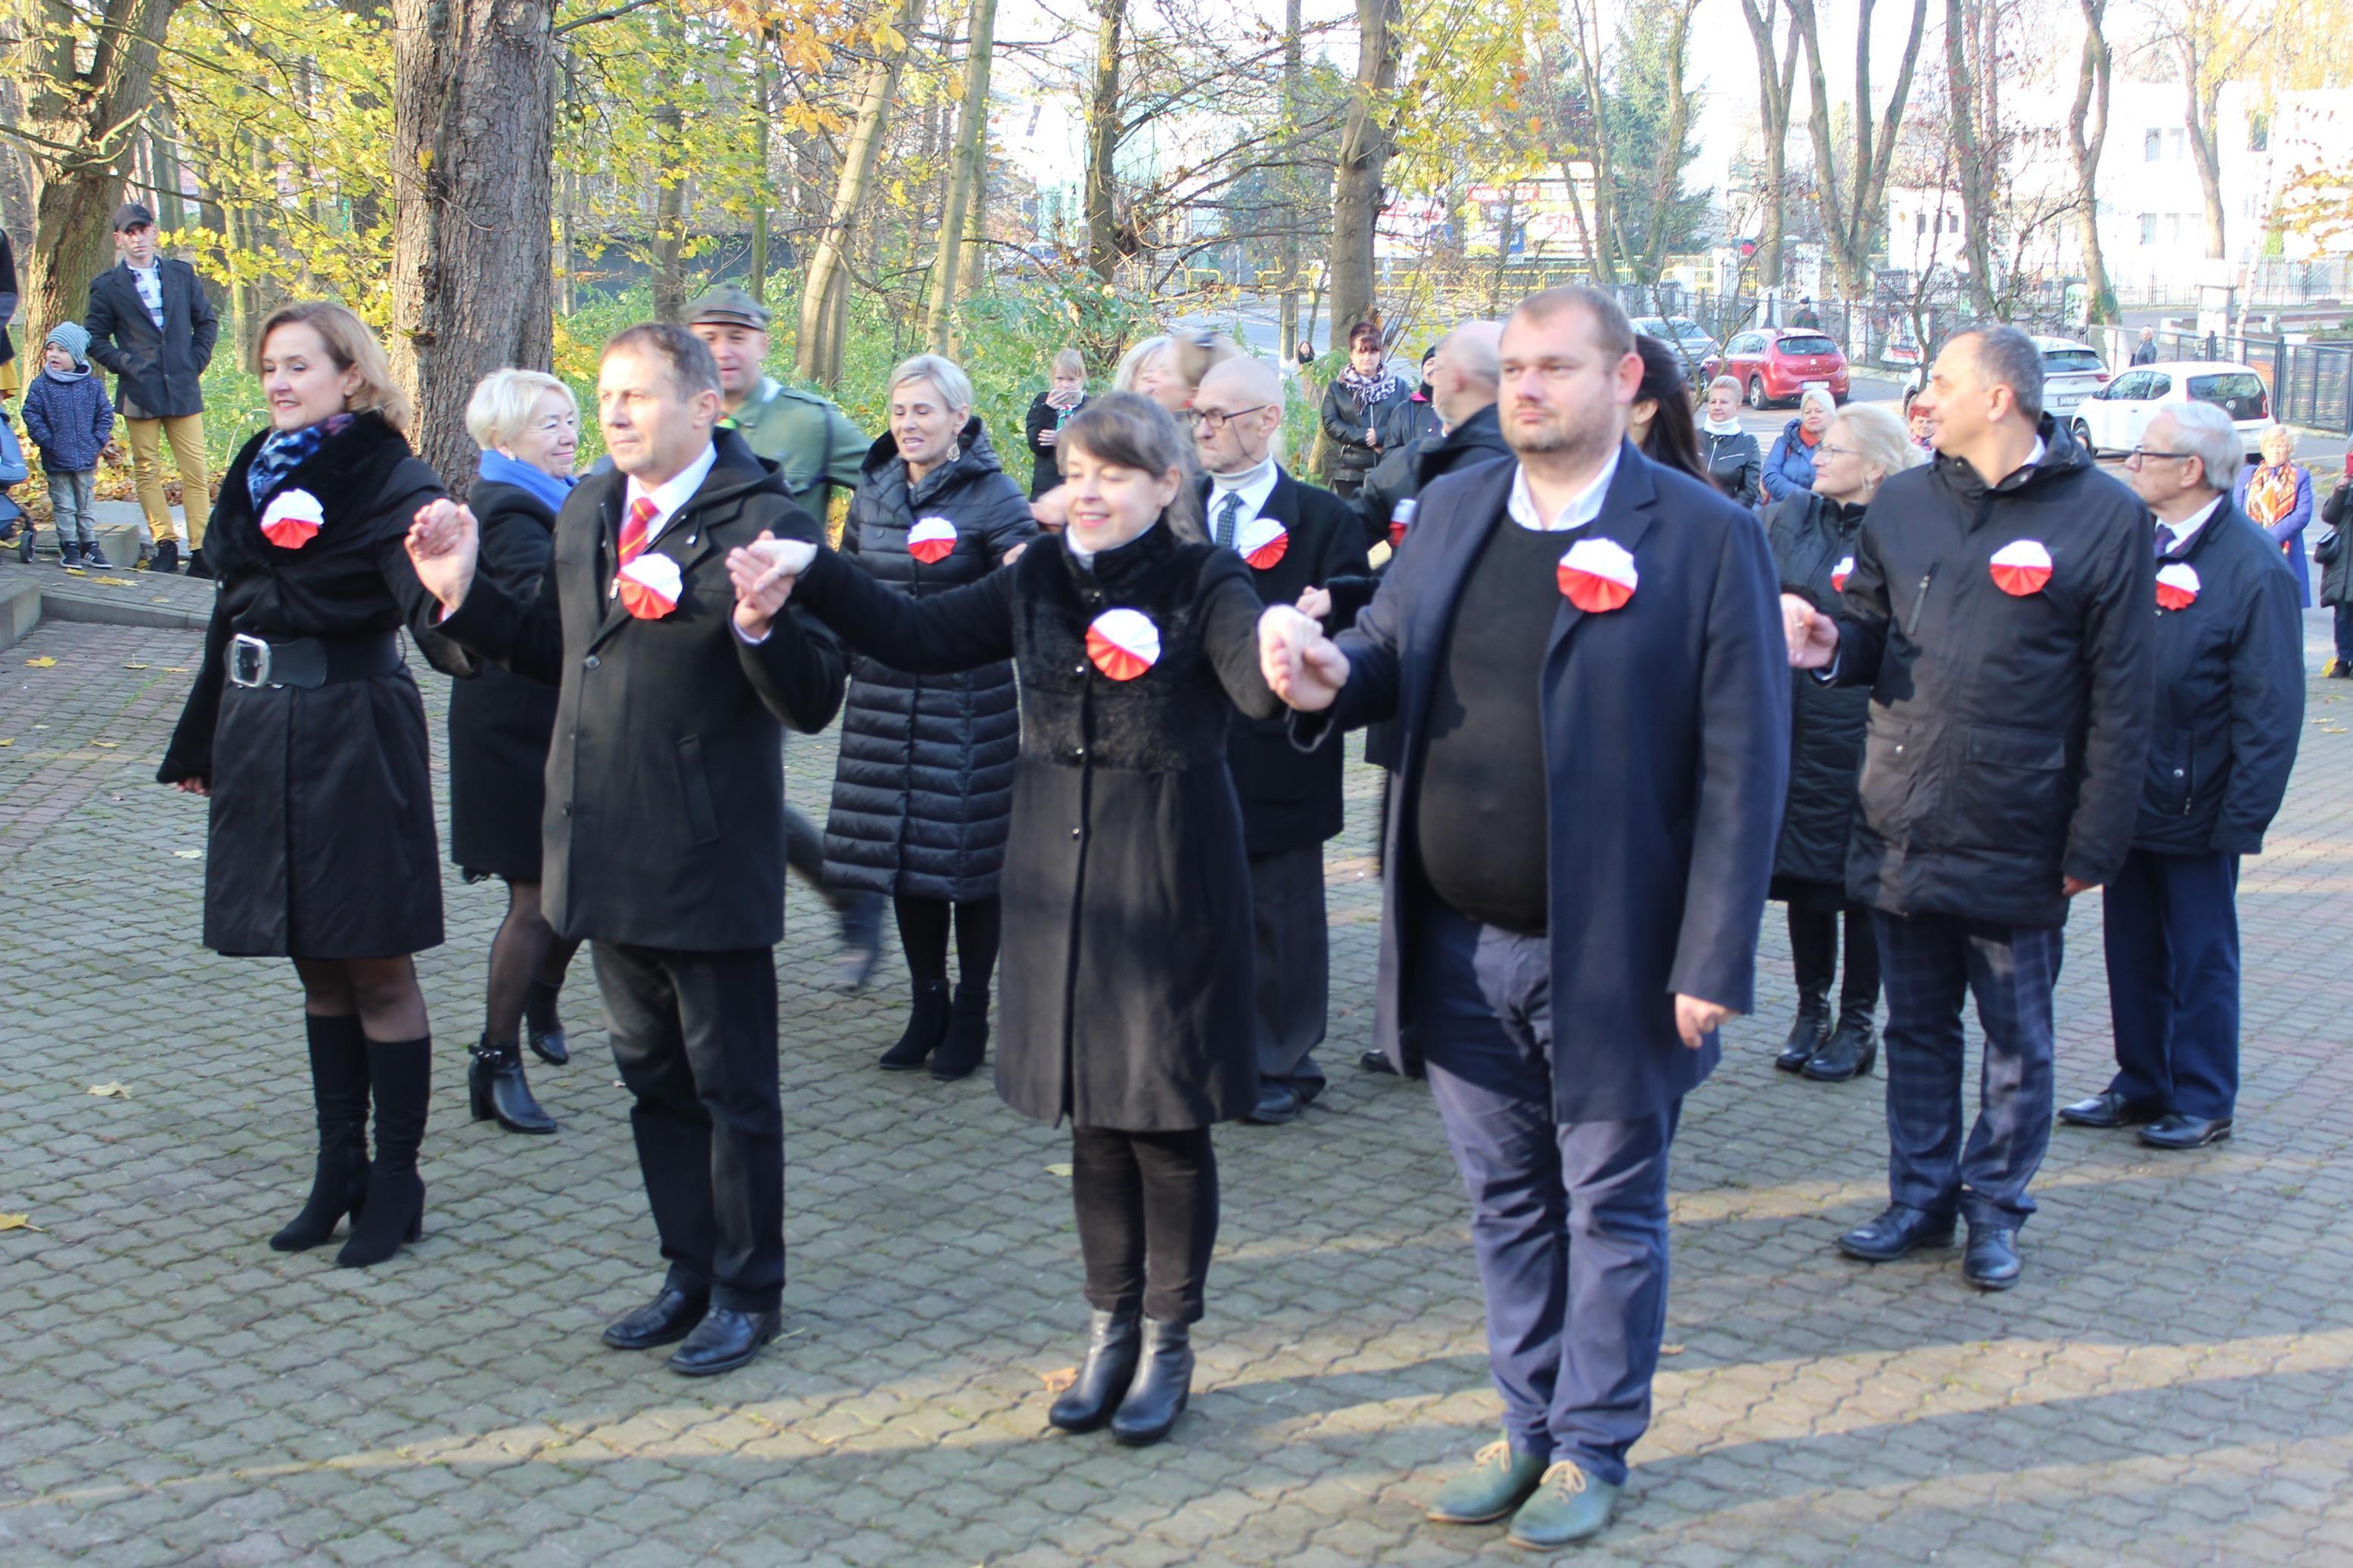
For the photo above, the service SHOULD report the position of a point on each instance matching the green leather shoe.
(1498, 1482)
(1569, 1506)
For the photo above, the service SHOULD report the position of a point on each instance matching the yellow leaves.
(44, 662)
(111, 1091)
(175, 670)
(106, 745)
(25, 1222)
(115, 582)
(134, 667)
(1060, 1378)
(187, 854)
(888, 40)
(1062, 1171)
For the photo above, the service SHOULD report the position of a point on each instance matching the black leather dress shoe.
(1277, 1103)
(2175, 1131)
(2108, 1108)
(669, 1318)
(1376, 1061)
(1901, 1229)
(1991, 1261)
(723, 1340)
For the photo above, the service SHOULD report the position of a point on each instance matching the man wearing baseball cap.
(151, 324)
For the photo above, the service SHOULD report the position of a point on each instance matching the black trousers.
(694, 1035)
(1813, 954)
(1147, 1208)
(1292, 947)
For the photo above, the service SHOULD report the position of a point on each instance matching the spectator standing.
(1807, 317)
(2276, 496)
(69, 418)
(1731, 455)
(2230, 711)
(1789, 466)
(1049, 412)
(2336, 572)
(2145, 351)
(151, 324)
(1417, 416)
(1356, 405)
(1999, 611)
(1813, 538)
(1659, 423)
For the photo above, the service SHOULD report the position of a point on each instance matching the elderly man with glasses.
(2229, 706)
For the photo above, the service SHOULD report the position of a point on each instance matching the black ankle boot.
(926, 1028)
(1114, 1344)
(339, 1086)
(539, 1023)
(400, 1080)
(495, 1081)
(1163, 1384)
(1811, 1031)
(1854, 1046)
(968, 1038)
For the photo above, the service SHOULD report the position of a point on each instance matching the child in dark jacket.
(71, 419)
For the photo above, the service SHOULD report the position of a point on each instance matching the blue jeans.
(71, 496)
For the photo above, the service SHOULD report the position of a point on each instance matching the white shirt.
(670, 494)
(2187, 529)
(149, 281)
(1252, 485)
(1583, 508)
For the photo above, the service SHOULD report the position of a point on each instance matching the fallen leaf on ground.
(1057, 1170)
(18, 1221)
(42, 663)
(175, 670)
(1671, 1348)
(111, 1091)
(7, 740)
(1060, 1378)
(134, 667)
(187, 854)
(115, 582)
(106, 745)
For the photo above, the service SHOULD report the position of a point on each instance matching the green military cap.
(729, 306)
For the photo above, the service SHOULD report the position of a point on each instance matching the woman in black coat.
(1128, 989)
(529, 429)
(1049, 412)
(1813, 535)
(1357, 407)
(923, 786)
(1730, 454)
(305, 729)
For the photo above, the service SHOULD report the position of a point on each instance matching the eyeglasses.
(1214, 420)
(2142, 454)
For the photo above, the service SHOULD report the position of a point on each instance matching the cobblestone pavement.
(2172, 1384)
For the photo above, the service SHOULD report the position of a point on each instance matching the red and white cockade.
(650, 586)
(1840, 573)
(1598, 575)
(2021, 567)
(1262, 541)
(292, 519)
(932, 541)
(1122, 644)
(2177, 586)
(1401, 520)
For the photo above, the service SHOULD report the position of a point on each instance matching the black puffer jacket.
(1346, 417)
(1813, 547)
(923, 789)
(1734, 461)
(2009, 730)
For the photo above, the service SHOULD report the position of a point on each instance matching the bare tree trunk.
(2200, 88)
(1666, 180)
(1970, 154)
(670, 177)
(1364, 149)
(764, 94)
(1294, 64)
(825, 295)
(966, 178)
(77, 134)
(1102, 144)
(2087, 134)
(1773, 84)
(1850, 230)
(1586, 19)
(474, 147)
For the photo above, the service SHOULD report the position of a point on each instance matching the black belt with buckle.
(309, 663)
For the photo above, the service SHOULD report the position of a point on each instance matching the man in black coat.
(665, 810)
(1999, 610)
(1461, 372)
(150, 323)
(2230, 707)
(1593, 749)
(1293, 537)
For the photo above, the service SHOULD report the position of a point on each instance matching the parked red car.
(1774, 365)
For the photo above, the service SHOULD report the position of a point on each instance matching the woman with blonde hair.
(1812, 536)
(528, 427)
(305, 730)
(1789, 466)
(2276, 496)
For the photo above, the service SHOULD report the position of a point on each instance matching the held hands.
(764, 572)
(1696, 1019)
(1813, 635)
(1302, 666)
(443, 545)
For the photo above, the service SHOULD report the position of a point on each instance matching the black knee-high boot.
(339, 1086)
(400, 1075)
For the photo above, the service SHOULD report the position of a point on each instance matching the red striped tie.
(634, 531)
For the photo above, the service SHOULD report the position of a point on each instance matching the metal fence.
(2311, 384)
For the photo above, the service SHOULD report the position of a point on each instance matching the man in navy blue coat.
(1581, 656)
(2230, 708)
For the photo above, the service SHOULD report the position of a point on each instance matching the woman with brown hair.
(1127, 994)
(1356, 405)
(305, 730)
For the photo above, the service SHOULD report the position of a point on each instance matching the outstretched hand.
(444, 543)
(764, 572)
(1813, 637)
(1302, 667)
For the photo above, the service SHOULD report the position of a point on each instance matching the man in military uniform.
(819, 450)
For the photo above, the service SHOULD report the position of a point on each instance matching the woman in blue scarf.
(529, 429)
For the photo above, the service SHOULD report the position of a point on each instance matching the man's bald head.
(1240, 384)
(1469, 368)
(1236, 413)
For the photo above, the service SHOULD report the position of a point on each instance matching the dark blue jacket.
(69, 421)
(1789, 466)
(2230, 695)
(1666, 729)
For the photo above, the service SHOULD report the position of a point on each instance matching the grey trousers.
(71, 496)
